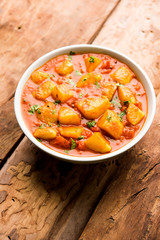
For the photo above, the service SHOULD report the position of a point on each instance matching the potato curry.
(84, 104)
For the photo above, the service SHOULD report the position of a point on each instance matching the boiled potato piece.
(111, 123)
(122, 75)
(125, 94)
(134, 114)
(45, 133)
(91, 63)
(93, 107)
(38, 77)
(68, 116)
(89, 78)
(44, 91)
(109, 90)
(98, 143)
(62, 92)
(47, 113)
(71, 132)
(66, 67)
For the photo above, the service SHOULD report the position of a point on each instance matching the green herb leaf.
(33, 109)
(115, 102)
(66, 151)
(72, 53)
(81, 137)
(57, 102)
(109, 117)
(91, 123)
(122, 114)
(84, 79)
(54, 111)
(91, 59)
(38, 111)
(126, 102)
(78, 73)
(73, 144)
(39, 140)
(71, 82)
(58, 124)
(24, 100)
(42, 126)
(52, 75)
(139, 94)
(80, 95)
(70, 57)
(97, 84)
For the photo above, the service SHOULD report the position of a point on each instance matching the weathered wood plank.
(137, 37)
(25, 37)
(10, 131)
(44, 198)
(28, 29)
(130, 207)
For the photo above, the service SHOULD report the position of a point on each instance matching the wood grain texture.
(10, 131)
(133, 30)
(44, 198)
(130, 207)
(29, 29)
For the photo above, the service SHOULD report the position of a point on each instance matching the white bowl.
(82, 49)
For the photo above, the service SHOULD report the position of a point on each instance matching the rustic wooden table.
(43, 198)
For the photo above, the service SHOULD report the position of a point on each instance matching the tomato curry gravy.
(84, 104)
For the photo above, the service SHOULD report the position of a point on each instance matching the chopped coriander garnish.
(72, 53)
(66, 151)
(70, 57)
(115, 102)
(126, 102)
(122, 114)
(109, 117)
(139, 94)
(80, 95)
(58, 124)
(119, 84)
(49, 77)
(42, 126)
(57, 102)
(52, 75)
(97, 84)
(71, 82)
(91, 123)
(81, 137)
(39, 140)
(50, 87)
(73, 144)
(33, 109)
(54, 111)
(91, 59)
(24, 100)
(38, 111)
(84, 79)
(78, 73)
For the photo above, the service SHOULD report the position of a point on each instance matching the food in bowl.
(84, 104)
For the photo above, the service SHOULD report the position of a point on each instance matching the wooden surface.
(42, 197)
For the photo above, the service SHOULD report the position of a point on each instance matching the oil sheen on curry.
(84, 104)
